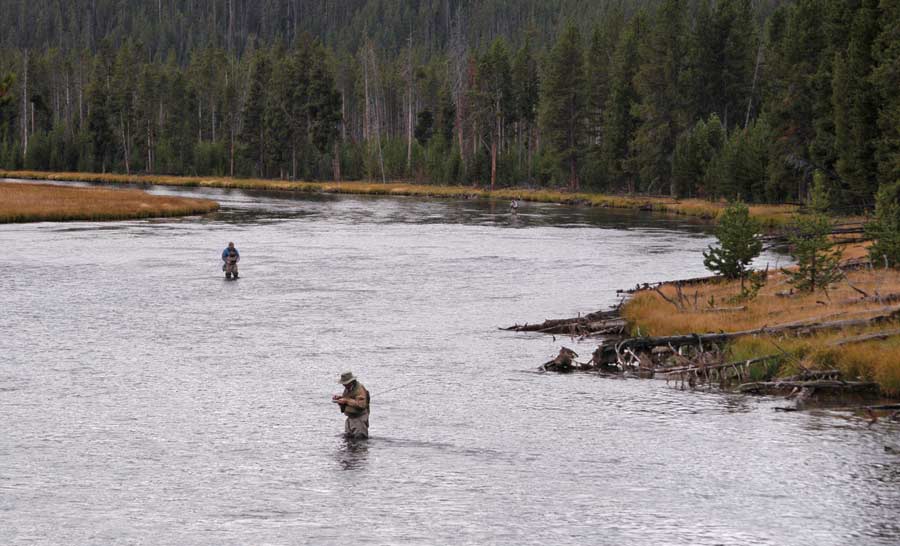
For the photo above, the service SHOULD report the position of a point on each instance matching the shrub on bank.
(885, 228)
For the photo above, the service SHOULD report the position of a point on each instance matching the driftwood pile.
(692, 360)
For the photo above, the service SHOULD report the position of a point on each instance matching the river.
(146, 400)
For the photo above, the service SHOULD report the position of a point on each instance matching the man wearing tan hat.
(354, 403)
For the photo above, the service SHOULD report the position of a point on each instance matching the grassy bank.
(771, 216)
(43, 202)
(876, 360)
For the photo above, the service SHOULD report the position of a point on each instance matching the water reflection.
(353, 453)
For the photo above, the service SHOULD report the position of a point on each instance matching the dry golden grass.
(43, 202)
(771, 216)
(649, 314)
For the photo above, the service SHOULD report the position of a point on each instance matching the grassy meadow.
(771, 216)
(44, 202)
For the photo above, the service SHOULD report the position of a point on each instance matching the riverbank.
(49, 203)
(770, 216)
(862, 345)
(694, 326)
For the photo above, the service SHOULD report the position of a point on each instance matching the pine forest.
(742, 99)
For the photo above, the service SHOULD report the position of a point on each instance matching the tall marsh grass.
(43, 202)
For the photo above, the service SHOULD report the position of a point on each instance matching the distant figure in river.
(230, 259)
(513, 206)
(354, 403)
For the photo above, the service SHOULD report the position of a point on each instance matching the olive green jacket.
(357, 400)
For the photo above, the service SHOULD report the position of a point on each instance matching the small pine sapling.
(739, 244)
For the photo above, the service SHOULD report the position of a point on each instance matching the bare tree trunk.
(68, 116)
(25, 106)
(409, 123)
(125, 150)
(458, 76)
(494, 154)
(336, 161)
(149, 150)
(343, 116)
(366, 90)
(759, 55)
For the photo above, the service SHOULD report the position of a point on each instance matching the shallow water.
(145, 399)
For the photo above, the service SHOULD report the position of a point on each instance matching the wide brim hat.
(346, 377)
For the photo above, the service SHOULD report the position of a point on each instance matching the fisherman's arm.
(358, 401)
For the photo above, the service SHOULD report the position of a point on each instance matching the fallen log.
(553, 324)
(724, 309)
(685, 282)
(807, 375)
(782, 387)
(885, 407)
(866, 337)
(701, 368)
(615, 326)
(609, 350)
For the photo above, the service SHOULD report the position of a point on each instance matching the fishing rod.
(398, 388)
(403, 386)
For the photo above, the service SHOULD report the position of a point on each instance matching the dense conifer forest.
(705, 98)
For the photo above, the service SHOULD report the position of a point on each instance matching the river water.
(145, 400)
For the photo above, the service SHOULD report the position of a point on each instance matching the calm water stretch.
(145, 400)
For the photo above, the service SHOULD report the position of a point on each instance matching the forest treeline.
(708, 98)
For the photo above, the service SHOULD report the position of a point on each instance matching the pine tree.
(836, 17)
(324, 109)
(886, 80)
(494, 97)
(599, 69)
(619, 119)
(254, 134)
(794, 53)
(526, 95)
(564, 103)
(100, 121)
(856, 108)
(720, 58)
(817, 258)
(658, 81)
(739, 243)
(885, 228)
(694, 150)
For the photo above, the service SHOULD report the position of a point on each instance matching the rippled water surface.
(144, 399)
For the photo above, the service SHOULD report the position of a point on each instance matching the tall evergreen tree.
(255, 135)
(619, 118)
(661, 107)
(856, 109)
(599, 70)
(525, 94)
(886, 80)
(564, 103)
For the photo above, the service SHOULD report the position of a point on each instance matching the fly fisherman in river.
(354, 403)
(230, 257)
